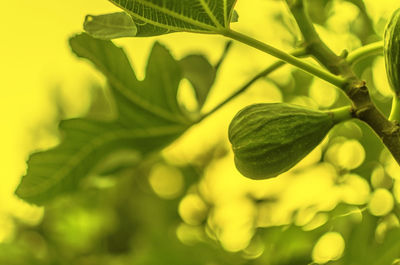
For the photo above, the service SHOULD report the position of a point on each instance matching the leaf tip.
(22, 194)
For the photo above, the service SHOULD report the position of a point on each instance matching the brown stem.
(365, 110)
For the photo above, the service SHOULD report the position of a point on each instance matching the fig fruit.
(269, 139)
(392, 51)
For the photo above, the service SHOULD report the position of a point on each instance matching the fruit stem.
(341, 114)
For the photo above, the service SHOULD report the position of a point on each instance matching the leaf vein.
(165, 11)
(210, 14)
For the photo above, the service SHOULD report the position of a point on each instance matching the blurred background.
(189, 205)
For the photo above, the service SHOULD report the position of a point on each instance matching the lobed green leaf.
(86, 143)
(149, 118)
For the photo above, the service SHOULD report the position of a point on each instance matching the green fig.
(392, 52)
(269, 139)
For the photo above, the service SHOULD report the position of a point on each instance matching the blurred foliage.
(340, 205)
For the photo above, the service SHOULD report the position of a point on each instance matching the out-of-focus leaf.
(319, 10)
(201, 75)
(235, 17)
(118, 161)
(149, 118)
(110, 26)
(362, 248)
(14, 254)
(212, 16)
(289, 245)
(150, 102)
(59, 170)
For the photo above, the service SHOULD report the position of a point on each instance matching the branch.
(313, 43)
(267, 71)
(227, 48)
(356, 89)
(309, 68)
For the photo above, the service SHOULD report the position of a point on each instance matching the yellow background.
(35, 60)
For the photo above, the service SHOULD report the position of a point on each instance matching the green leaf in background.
(110, 26)
(152, 101)
(86, 142)
(118, 25)
(149, 118)
(203, 16)
(363, 248)
(201, 74)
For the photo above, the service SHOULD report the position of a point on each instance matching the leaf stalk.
(286, 57)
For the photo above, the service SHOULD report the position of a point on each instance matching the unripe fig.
(392, 51)
(269, 139)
